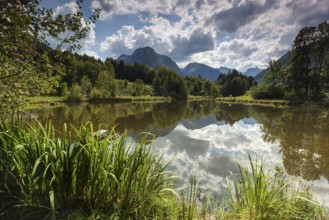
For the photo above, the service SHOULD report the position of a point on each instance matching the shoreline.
(57, 100)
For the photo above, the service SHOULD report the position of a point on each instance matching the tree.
(234, 83)
(169, 83)
(28, 64)
(106, 83)
(85, 85)
(273, 84)
(307, 66)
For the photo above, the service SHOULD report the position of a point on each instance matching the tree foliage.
(234, 83)
(169, 83)
(306, 76)
(308, 66)
(274, 83)
(28, 65)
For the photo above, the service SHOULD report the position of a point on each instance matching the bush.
(75, 93)
(267, 92)
(97, 93)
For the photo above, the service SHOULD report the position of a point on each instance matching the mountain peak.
(144, 51)
(199, 69)
(148, 57)
(252, 71)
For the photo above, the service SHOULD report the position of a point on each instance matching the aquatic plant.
(256, 194)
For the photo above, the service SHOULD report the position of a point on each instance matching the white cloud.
(90, 40)
(249, 33)
(116, 7)
(209, 152)
(127, 39)
(68, 8)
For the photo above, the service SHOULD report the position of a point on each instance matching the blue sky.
(234, 33)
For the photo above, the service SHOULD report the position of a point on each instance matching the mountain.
(224, 70)
(150, 58)
(198, 69)
(284, 61)
(253, 71)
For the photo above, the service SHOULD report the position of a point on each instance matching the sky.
(237, 34)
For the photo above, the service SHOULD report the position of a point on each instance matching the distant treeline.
(94, 78)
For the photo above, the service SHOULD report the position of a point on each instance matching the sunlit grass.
(248, 99)
(42, 176)
(255, 194)
(45, 99)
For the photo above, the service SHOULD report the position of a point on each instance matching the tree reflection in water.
(301, 132)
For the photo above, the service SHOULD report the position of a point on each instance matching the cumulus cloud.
(308, 13)
(68, 8)
(127, 39)
(117, 7)
(196, 42)
(164, 38)
(234, 33)
(232, 19)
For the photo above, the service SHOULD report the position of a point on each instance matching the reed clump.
(46, 175)
(255, 194)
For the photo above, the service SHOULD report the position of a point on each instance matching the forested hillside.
(305, 76)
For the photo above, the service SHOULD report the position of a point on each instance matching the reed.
(256, 194)
(46, 175)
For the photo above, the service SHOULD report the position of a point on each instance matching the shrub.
(267, 92)
(75, 93)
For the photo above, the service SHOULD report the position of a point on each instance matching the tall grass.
(80, 174)
(44, 176)
(257, 195)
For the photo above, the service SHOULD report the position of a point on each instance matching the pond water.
(207, 139)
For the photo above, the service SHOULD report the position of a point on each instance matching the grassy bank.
(245, 99)
(100, 176)
(249, 100)
(39, 101)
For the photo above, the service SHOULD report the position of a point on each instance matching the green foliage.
(198, 86)
(85, 85)
(28, 65)
(234, 83)
(65, 90)
(46, 176)
(306, 76)
(132, 72)
(125, 88)
(169, 83)
(255, 195)
(75, 93)
(106, 83)
(273, 85)
(266, 92)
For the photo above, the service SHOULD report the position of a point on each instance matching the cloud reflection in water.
(209, 152)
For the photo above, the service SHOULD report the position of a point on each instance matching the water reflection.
(304, 140)
(208, 138)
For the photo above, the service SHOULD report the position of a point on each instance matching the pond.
(207, 139)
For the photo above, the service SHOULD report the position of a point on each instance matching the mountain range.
(150, 58)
